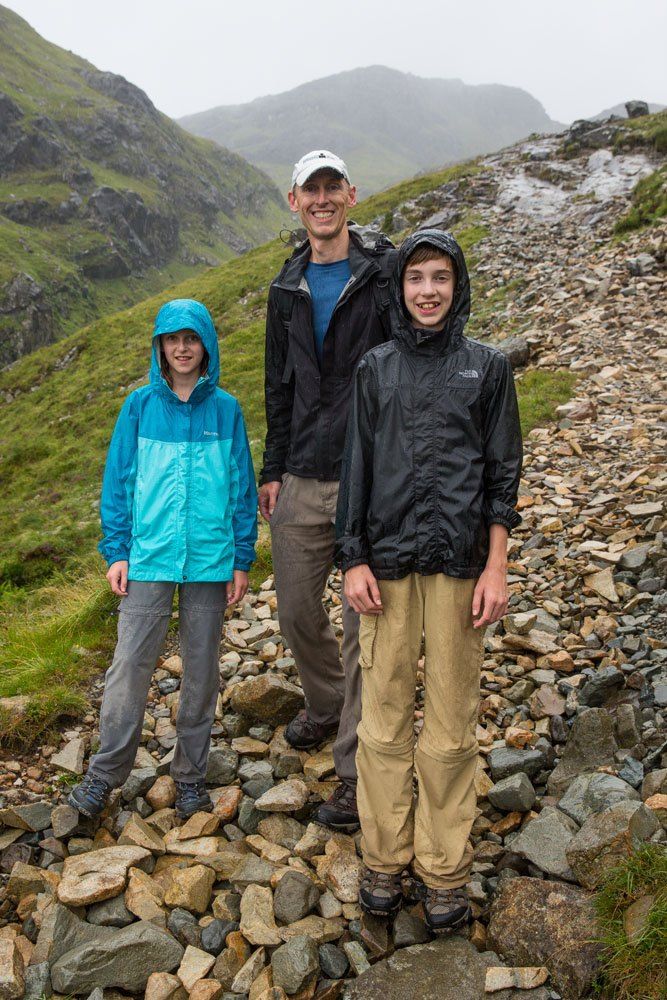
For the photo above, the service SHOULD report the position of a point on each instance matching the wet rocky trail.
(256, 901)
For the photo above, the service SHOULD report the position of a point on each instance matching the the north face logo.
(469, 373)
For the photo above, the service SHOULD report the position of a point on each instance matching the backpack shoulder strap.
(387, 259)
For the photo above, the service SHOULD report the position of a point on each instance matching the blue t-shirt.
(326, 282)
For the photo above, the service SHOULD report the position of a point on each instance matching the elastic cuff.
(351, 563)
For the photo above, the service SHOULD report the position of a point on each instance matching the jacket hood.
(186, 314)
(403, 329)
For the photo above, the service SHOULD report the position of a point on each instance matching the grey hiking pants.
(142, 627)
(302, 542)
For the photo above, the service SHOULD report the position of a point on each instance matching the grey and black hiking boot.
(304, 734)
(90, 796)
(192, 797)
(339, 812)
(446, 909)
(379, 893)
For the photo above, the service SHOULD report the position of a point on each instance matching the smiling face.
(183, 352)
(428, 291)
(322, 203)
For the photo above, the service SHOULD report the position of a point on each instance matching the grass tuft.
(635, 970)
(539, 393)
(649, 203)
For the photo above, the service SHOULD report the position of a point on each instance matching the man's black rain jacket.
(307, 404)
(433, 449)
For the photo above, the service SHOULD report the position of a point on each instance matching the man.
(326, 308)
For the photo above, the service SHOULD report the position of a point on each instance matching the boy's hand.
(238, 587)
(362, 591)
(268, 496)
(489, 602)
(117, 577)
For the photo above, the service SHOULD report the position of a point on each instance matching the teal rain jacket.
(178, 498)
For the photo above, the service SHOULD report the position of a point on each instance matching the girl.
(178, 509)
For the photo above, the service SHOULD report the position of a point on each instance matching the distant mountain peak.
(387, 124)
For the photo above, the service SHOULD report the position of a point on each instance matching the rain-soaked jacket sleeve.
(244, 521)
(352, 547)
(278, 395)
(118, 485)
(502, 448)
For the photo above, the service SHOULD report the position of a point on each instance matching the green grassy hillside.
(103, 199)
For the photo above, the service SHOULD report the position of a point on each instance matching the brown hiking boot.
(303, 734)
(339, 812)
(379, 893)
(446, 909)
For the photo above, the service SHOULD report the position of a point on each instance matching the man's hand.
(117, 577)
(268, 496)
(362, 591)
(489, 602)
(238, 587)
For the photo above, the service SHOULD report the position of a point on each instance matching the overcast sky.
(575, 56)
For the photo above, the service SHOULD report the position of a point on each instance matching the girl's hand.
(489, 602)
(117, 577)
(238, 587)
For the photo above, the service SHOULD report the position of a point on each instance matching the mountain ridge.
(104, 199)
(386, 124)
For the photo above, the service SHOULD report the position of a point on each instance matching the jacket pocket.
(368, 630)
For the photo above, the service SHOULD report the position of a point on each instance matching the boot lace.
(96, 788)
(189, 791)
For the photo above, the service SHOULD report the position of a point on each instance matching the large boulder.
(608, 838)
(446, 969)
(97, 875)
(536, 922)
(123, 958)
(544, 841)
(590, 744)
(593, 793)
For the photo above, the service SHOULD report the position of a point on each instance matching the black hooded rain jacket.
(433, 448)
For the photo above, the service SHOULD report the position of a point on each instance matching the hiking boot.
(380, 893)
(339, 812)
(414, 890)
(446, 909)
(303, 734)
(90, 796)
(192, 797)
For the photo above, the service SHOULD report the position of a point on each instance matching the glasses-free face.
(322, 204)
(428, 292)
(183, 350)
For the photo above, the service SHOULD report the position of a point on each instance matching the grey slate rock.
(123, 958)
(632, 772)
(333, 961)
(409, 929)
(544, 840)
(223, 764)
(295, 897)
(138, 783)
(513, 794)
(214, 934)
(185, 928)
(590, 744)
(295, 963)
(601, 686)
(110, 913)
(593, 793)
(505, 761)
(37, 982)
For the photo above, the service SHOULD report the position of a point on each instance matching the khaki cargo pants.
(432, 833)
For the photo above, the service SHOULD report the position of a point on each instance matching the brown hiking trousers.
(302, 543)
(432, 833)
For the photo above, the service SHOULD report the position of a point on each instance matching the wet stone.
(295, 897)
(333, 961)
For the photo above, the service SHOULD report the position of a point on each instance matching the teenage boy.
(326, 308)
(428, 489)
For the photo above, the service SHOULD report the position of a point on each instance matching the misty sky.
(575, 56)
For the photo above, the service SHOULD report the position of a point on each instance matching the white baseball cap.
(318, 159)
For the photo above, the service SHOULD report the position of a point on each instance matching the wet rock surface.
(572, 723)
